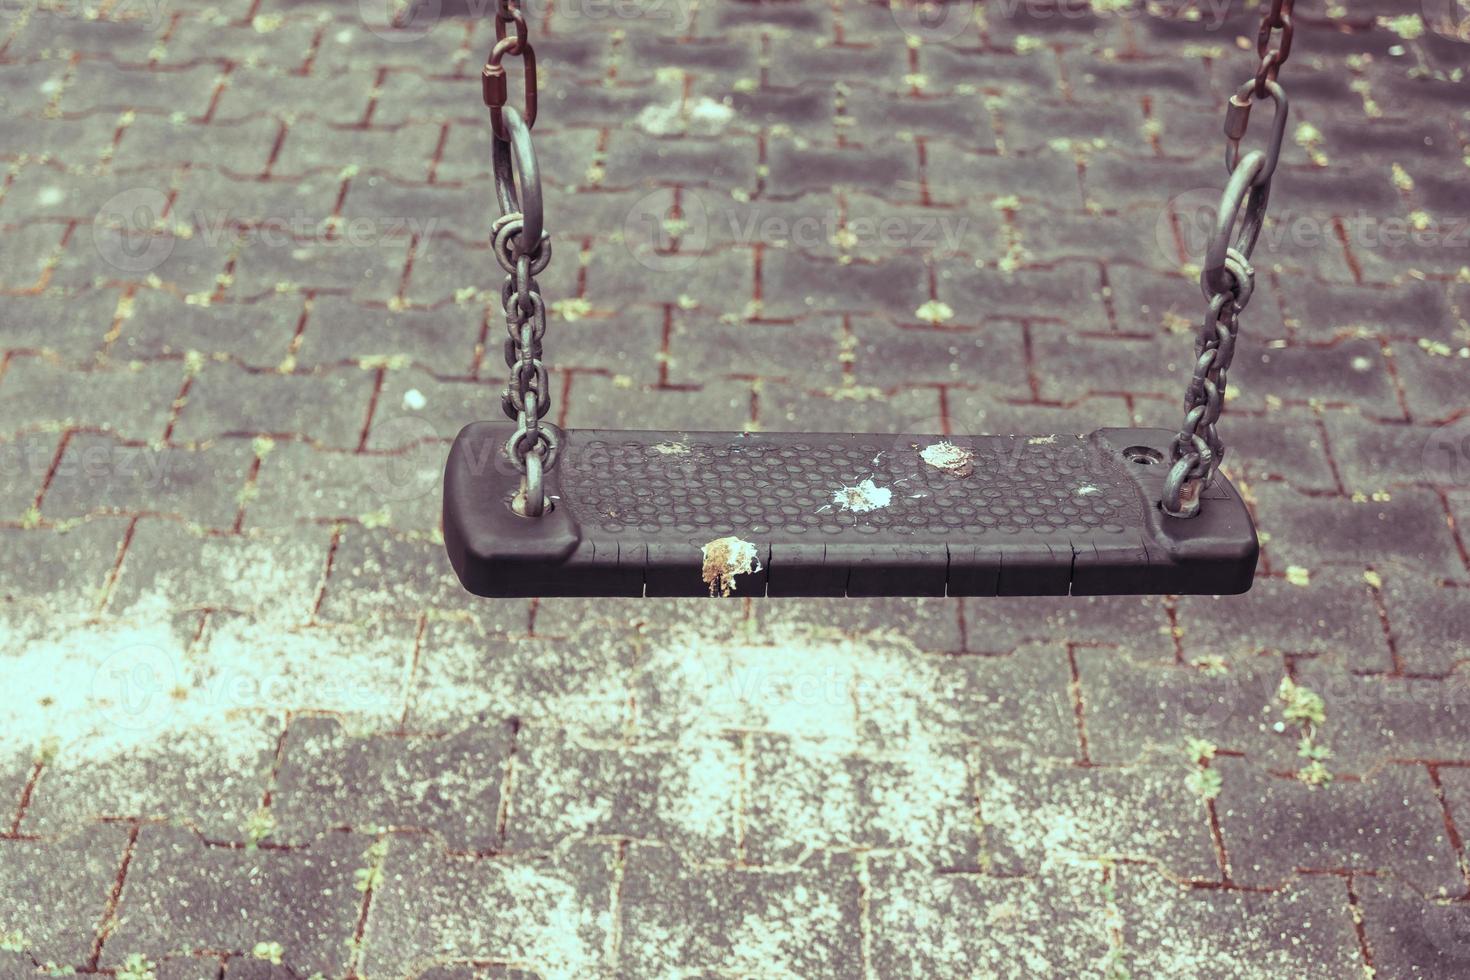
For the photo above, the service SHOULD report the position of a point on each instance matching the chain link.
(523, 250)
(1228, 279)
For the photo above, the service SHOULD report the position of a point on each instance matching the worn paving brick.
(327, 98)
(1071, 291)
(1410, 309)
(154, 142)
(1428, 624)
(1036, 814)
(1068, 363)
(932, 624)
(134, 401)
(629, 344)
(225, 400)
(704, 348)
(330, 777)
(299, 483)
(1409, 529)
(901, 412)
(914, 911)
(802, 921)
(100, 253)
(886, 355)
(1135, 711)
(413, 404)
(369, 271)
(24, 462)
(377, 573)
(805, 795)
(377, 202)
(1305, 929)
(56, 892)
(1283, 444)
(1139, 624)
(442, 340)
(61, 570)
(276, 572)
(974, 410)
(69, 325)
(1429, 381)
(1333, 614)
(1371, 719)
(256, 334)
(1390, 821)
(1374, 457)
(686, 795)
(225, 211)
(464, 670)
(550, 915)
(954, 174)
(98, 475)
(98, 84)
(181, 894)
(606, 403)
(628, 273)
(210, 782)
(1410, 936)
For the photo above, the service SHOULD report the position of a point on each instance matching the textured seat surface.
(793, 514)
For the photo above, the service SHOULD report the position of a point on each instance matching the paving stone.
(100, 254)
(226, 211)
(1428, 381)
(890, 170)
(605, 403)
(465, 672)
(1283, 444)
(24, 462)
(224, 400)
(1411, 309)
(243, 146)
(1390, 821)
(133, 401)
(954, 174)
(1036, 815)
(619, 276)
(802, 921)
(886, 355)
(328, 98)
(181, 894)
(265, 663)
(1135, 711)
(1050, 235)
(331, 778)
(1072, 291)
(645, 619)
(210, 781)
(62, 570)
(1428, 624)
(283, 44)
(1375, 456)
(914, 911)
(1138, 624)
(1068, 363)
(377, 573)
(686, 795)
(1409, 936)
(805, 795)
(370, 271)
(630, 345)
(1408, 529)
(1333, 614)
(464, 211)
(56, 892)
(549, 915)
(1373, 719)
(972, 410)
(932, 624)
(901, 412)
(1305, 929)
(279, 572)
(97, 84)
(398, 488)
(98, 475)
(69, 325)
(256, 334)
(442, 340)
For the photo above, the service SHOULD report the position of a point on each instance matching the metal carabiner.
(494, 88)
(1237, 120)
(1216, 277)
(518, 181)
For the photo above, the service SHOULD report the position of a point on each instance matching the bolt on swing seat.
(530, 510)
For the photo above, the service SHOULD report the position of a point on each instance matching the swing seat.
(638, 513)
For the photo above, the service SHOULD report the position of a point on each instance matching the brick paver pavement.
(251, 725)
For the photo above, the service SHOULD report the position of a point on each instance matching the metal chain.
(523, 250)
(1228, 279)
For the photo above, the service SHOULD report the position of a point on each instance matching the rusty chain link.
(523, 250)
(495, 88)
(1228, 279)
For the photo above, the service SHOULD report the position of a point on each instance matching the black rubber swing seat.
(804, 514)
